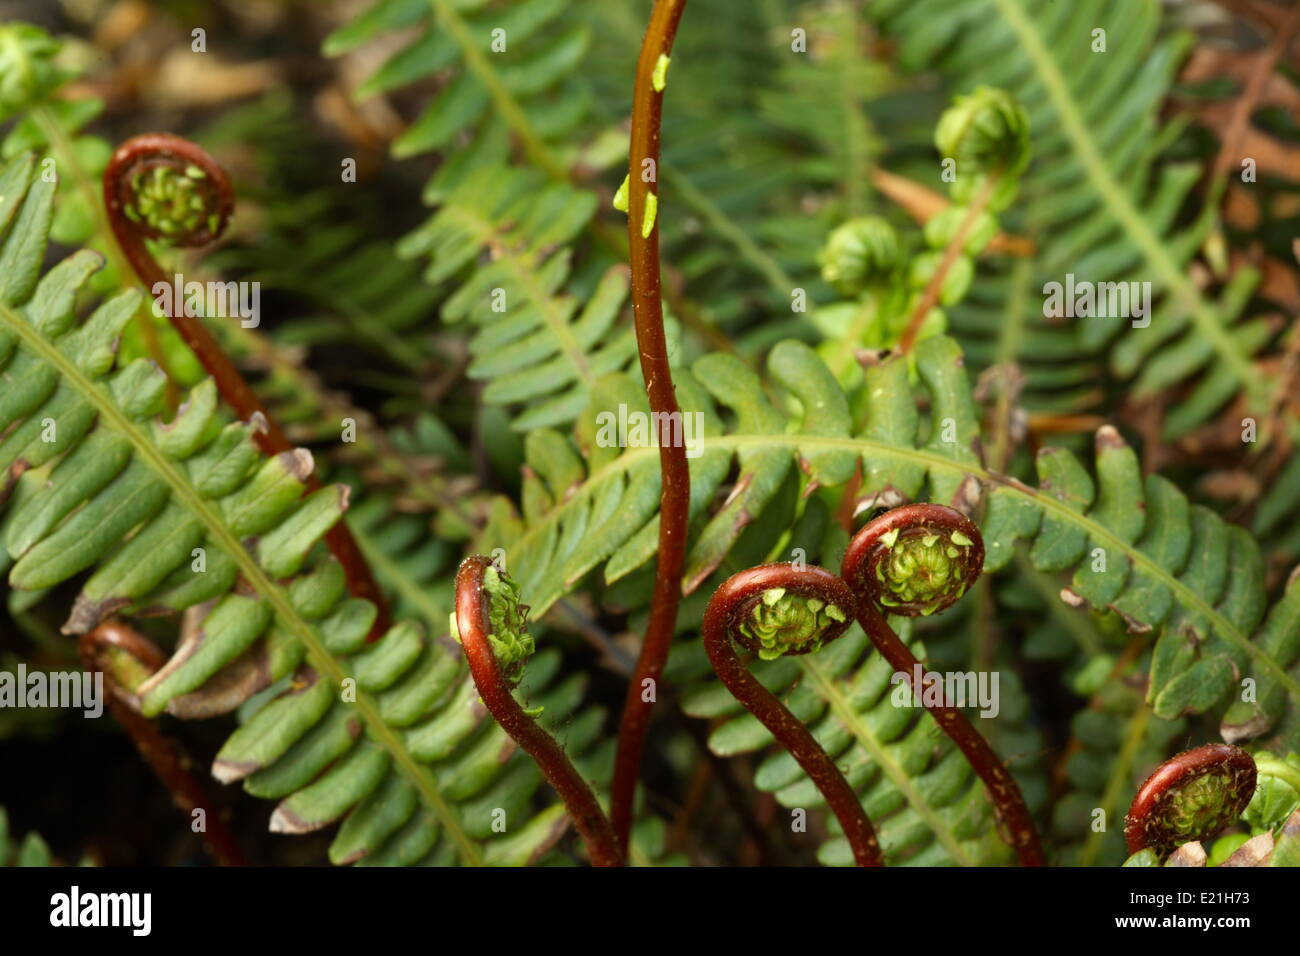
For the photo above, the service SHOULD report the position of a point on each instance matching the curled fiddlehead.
(163, 187)
(491, 626)
(919, 560)
(1190, 797)
(775, 610)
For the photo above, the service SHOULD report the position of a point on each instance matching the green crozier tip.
(172, 202)
(507, 619)
(659, 78)
(651, 212)
(926, 571)
(620, 197)
(781, 622)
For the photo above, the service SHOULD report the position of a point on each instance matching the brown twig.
(165, 162)
(674, 499)
(167, 763)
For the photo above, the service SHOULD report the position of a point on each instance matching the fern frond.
(384, 735)
(1132, 546)
(499, 243)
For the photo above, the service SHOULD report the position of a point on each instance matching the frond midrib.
(1189, 598)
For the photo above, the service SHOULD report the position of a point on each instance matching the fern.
(540, 349)
(1163, 565)
(411, 765)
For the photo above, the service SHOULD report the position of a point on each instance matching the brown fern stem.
(163, 757)
(494, 689)
(136, 159)
(733, 600)
(674, 499)
(937, 581)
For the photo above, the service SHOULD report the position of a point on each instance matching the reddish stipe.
(675, 493)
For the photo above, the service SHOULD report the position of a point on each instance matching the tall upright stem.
(674, 498)
(493, 688)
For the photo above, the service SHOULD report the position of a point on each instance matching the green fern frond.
(1137, 547)
(498, 243)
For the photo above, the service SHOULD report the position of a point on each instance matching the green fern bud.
(509, 636)
(784, 622)
(507, 619)
(170, 201)
(1190, 797)
(986, 133)
(915, 560)
(859, 254)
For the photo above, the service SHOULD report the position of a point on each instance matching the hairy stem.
(137, 158)
(167, 763)
(674, 499)
(905, 539)
(723, 620)
(473, 630)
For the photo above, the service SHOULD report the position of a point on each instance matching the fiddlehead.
(162, 187)
(775, 610)
(914, 561)
(491, 626)
(1190, 797)
(675, 475)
